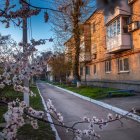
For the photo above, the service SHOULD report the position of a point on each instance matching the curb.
(102, 104)
(49, 117)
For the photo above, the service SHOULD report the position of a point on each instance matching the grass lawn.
(10, 94)
(94, 92)
(27, 132)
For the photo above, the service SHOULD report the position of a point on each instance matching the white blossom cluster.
(10, 12)
(92, 122)
(18, 69)
(23, 89)
(15, 118)
(15, 71)
(52, 109)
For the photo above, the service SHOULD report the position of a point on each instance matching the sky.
(36, 24)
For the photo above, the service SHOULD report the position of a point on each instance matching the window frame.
(87, 69)
(122, 65)
(94, 69)
(114, 28)
(125, 22)
(108, 66)
(81, 71)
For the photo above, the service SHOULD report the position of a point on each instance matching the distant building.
(49, 75)
(112, 56)
(48, 70)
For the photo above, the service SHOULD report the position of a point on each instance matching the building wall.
(70, 54)
(114, 74)
(98, 46)
(135, 8)
(129, 79)
(123, 80)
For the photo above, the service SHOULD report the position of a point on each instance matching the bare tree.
(58, 60)
(68, 23)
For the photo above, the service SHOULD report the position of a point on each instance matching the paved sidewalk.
(73, 108)
(126, 103)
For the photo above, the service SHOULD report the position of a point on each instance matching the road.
(74, 108)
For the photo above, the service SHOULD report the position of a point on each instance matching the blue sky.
(40, 29)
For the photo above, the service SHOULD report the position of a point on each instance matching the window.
(81, 70)
(111, 31)
(108, 66)
(118, 26)
(87, 70)
(94, 56)
(123, 64)
(125, 22)
(94, 69)
(126, 64)
(114, 28)
(108, 31)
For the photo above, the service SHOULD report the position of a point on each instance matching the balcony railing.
(118, 43)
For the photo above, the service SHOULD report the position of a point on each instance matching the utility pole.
(26, 81)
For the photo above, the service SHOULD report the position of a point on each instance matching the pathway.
(73, 109)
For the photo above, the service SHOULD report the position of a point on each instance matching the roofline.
(84, 23)
(68, 39)
(96, 10)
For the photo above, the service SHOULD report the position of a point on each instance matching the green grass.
(27, 132)
(11, 95)
(94, 92)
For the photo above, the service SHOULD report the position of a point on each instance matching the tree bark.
(76, 34)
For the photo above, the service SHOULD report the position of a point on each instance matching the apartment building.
(85, 52)
(114, 57)
(70, 54)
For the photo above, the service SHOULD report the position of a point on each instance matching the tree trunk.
(76, 34)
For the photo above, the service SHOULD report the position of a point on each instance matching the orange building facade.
(113, 58)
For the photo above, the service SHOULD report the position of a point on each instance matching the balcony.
(117, 37)
(124, 9)
(85, 57)
(85, 54)
(118, 43)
